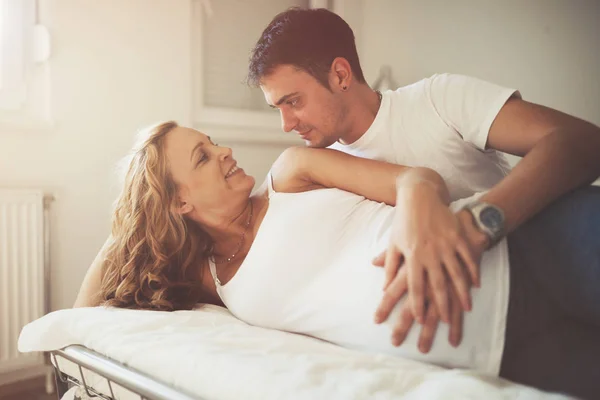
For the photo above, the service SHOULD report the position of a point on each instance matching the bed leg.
(50, 382)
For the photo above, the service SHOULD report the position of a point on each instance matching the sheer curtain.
(16, 25)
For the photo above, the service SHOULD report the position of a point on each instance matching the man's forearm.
(560, 162)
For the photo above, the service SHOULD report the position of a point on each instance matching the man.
(307, 66)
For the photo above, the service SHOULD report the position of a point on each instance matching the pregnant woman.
(296, 255)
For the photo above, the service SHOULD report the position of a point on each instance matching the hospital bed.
(209, 354)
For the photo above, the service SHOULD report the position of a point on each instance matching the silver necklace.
(379, 95)
(229, 259)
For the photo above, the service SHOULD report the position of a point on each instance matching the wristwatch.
(489, 219)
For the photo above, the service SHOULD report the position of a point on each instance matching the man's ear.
(341, 73)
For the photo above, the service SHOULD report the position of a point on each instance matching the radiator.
(23, 273)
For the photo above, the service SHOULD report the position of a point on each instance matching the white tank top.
(309, 271)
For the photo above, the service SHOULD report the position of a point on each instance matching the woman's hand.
(431, 242)
(392, 295)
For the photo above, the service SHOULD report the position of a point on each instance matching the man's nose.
(288, 121)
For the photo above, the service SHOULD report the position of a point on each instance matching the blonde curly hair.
(156, 255)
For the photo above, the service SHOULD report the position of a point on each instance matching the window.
(12, 54)
(227, 49)
(220, 56)
(222, 102)
(24, 46)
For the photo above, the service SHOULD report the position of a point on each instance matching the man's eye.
(293, 103)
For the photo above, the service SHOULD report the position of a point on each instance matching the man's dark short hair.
(308, 39)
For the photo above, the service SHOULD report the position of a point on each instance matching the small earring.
(344, 87)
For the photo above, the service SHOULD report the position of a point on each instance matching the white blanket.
(210, 353)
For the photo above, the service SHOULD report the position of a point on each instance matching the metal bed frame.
(115, 373)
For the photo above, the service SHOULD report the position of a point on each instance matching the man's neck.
(362, 111)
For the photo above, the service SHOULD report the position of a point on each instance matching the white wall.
(548, 49)
(116, 67)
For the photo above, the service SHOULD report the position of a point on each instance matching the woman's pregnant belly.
(339, 305)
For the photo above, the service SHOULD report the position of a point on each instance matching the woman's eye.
(293, 103)
(202, 159)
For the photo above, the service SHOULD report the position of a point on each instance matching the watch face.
(491, 218)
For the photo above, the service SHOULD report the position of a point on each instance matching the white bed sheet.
(210, 353)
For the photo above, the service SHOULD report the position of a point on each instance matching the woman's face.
(211, 186)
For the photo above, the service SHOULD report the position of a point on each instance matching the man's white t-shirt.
(441, 122)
